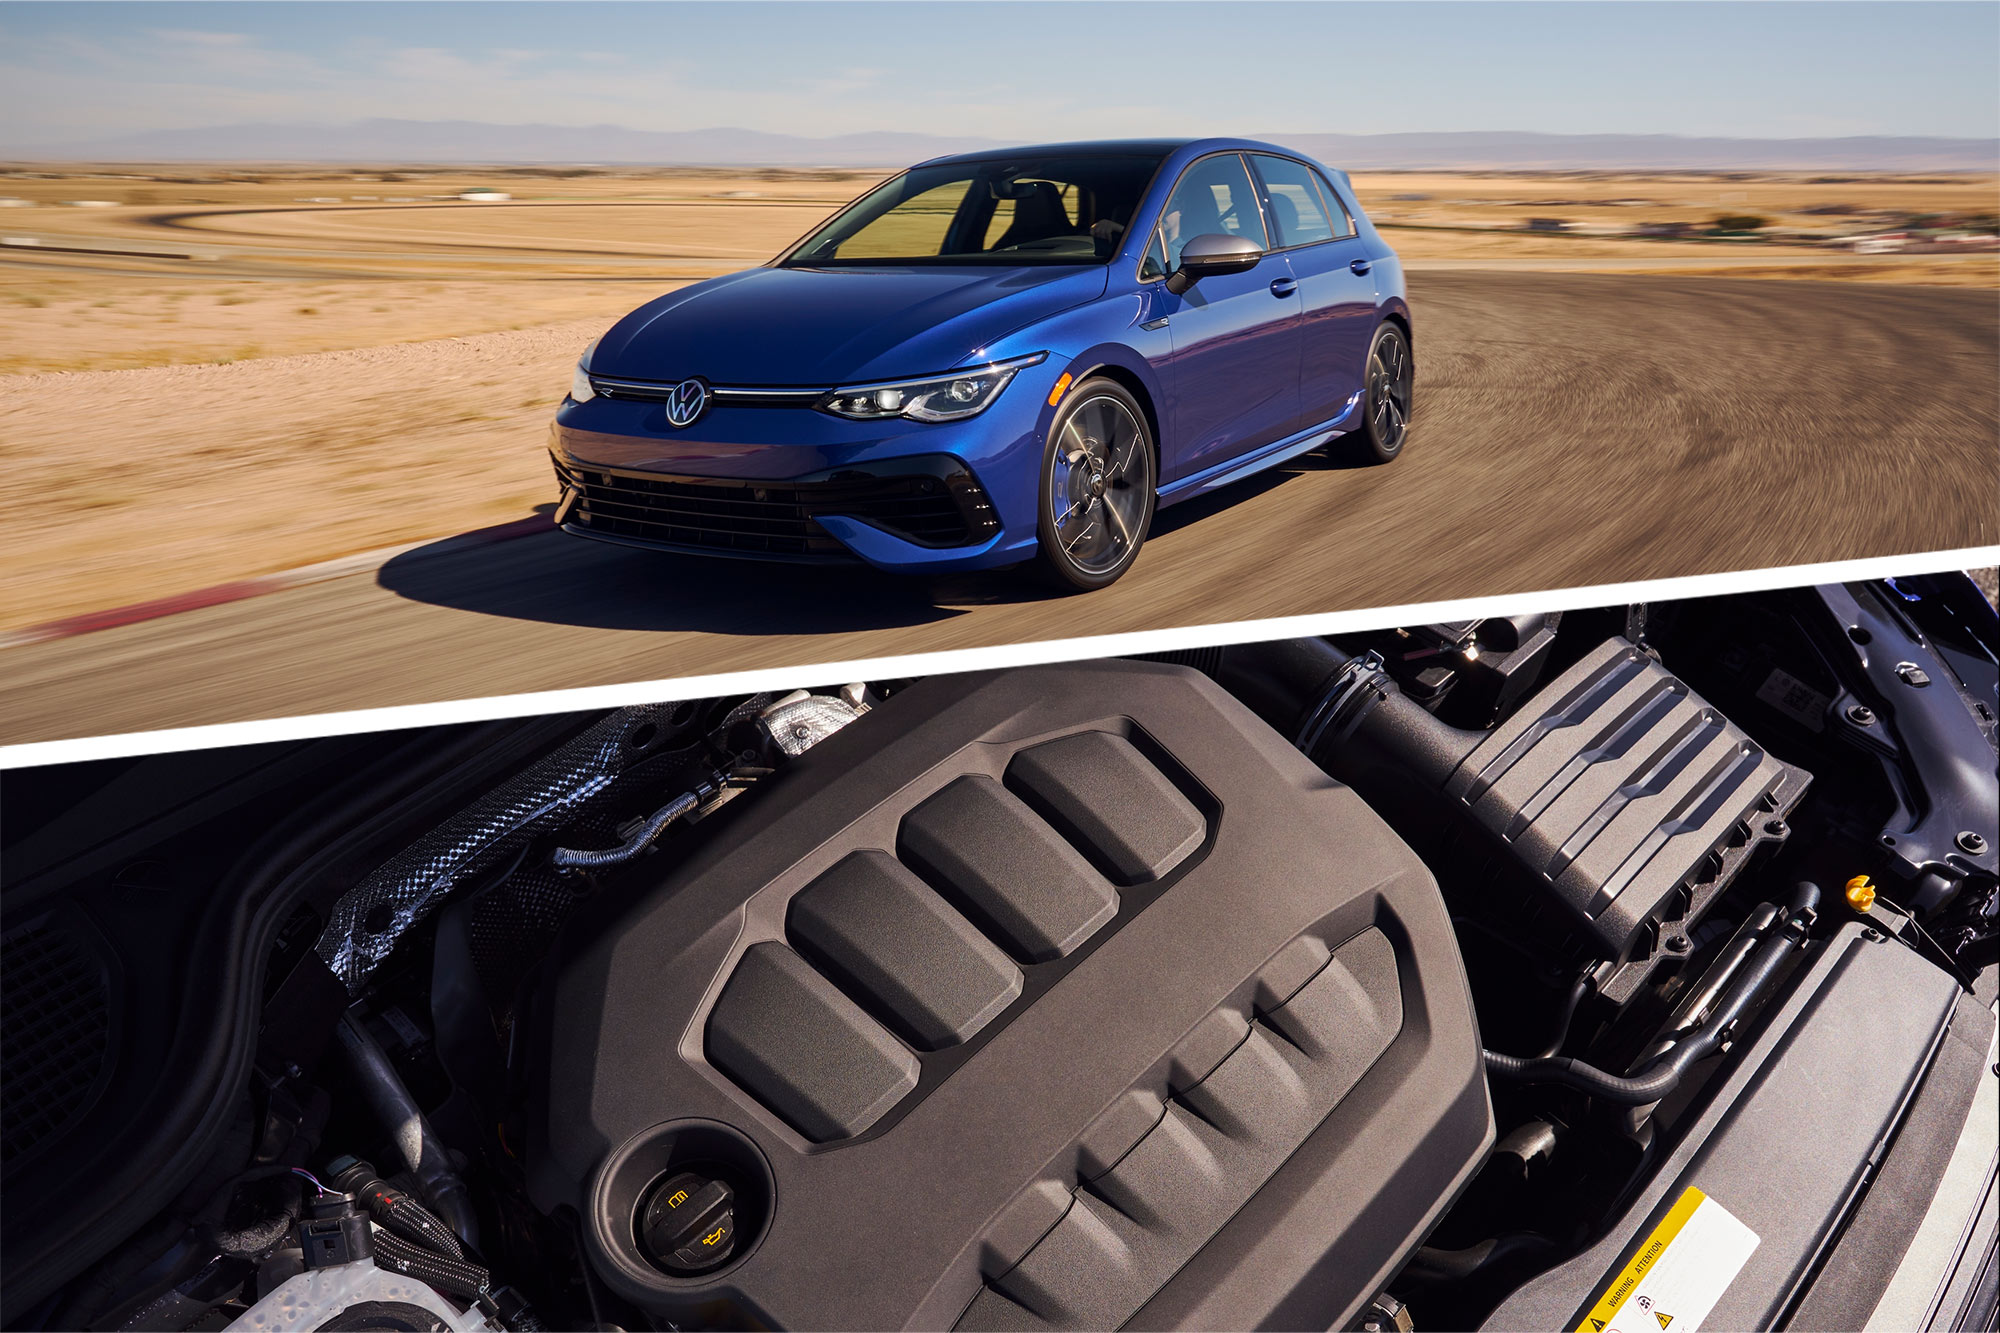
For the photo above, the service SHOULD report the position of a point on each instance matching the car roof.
(1108, 147)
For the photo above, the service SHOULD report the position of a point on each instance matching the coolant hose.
(1588, 1078)
(1662, 1077)
(404, 1119)
(1440, 1266)
(1579, 990)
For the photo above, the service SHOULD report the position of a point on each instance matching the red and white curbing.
(244, 589)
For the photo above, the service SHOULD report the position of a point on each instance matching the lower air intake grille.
(936, 504)
(55, 993)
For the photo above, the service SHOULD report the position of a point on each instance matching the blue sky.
(71, 72)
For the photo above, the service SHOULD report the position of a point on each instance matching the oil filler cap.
(689, 1226)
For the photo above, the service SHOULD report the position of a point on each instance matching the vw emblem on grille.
(686, 402)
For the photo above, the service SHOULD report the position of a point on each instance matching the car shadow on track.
(559, 579)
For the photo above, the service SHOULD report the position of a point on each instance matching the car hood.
(804, 326)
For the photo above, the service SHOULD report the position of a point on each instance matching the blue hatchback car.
(995, 357)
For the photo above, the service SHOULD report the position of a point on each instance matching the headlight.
(951, 397)
(579, 383)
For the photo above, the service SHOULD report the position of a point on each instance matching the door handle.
(1284, 286)
(1361, 265)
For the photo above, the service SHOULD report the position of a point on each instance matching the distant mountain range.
(426, 141)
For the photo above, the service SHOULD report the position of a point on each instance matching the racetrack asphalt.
(1571, 429)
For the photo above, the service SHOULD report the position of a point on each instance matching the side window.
(1214, 196)
(1154, 265)
(1297, 214)
(1336, 207)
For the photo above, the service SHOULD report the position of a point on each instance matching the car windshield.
(1054, 209)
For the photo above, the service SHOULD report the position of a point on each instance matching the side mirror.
(1211, 255)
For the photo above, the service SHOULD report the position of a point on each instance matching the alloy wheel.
(1100, 482)
(1389, 383)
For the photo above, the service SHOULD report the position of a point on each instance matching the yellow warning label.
(1649, 1254)
(1678, 1273)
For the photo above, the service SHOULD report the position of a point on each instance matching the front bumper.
(789, 483)
(909, 507)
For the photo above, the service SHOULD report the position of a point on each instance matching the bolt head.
(1861, 715)
(1972, 844)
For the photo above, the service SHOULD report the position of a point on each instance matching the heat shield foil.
(370, 918)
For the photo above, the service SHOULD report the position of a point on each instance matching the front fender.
(1105, 336)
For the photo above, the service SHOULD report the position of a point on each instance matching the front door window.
(1214, 197)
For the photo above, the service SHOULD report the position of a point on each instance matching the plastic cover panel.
(1109, 801)
(786, 1033)
(1615, 783)
(1285, 998)
(1129, 1229)
(889, 938)
(1007, 869)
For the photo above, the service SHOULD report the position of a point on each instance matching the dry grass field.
(207, 374)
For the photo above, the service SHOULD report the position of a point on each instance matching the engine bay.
(1401, 979)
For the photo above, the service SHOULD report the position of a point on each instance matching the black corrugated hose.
(453, 1277)
(415, 1242)
(396, 1211)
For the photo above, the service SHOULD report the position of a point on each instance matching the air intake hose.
(1345, 712)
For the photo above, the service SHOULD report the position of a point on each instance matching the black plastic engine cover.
(1059, 997)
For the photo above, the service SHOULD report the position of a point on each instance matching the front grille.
(57, 1002)
(931, 502)
(660, 391)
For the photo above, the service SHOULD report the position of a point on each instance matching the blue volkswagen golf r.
(995, 357)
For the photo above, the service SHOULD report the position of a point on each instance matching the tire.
(1098, 487)
(1388, 395)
